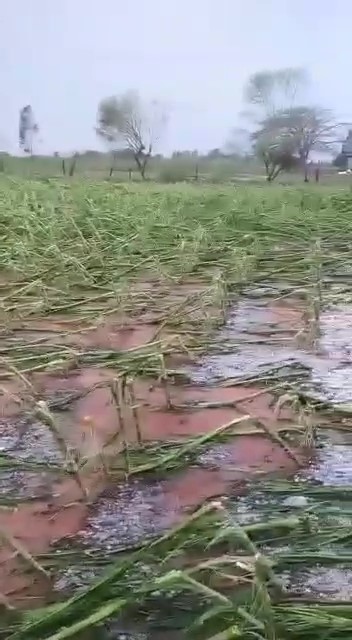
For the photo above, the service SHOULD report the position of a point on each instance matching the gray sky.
(62, 56)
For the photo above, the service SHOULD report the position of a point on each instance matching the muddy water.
(29, 441)
(261, 336)
(256, 342)
(332, 469)
(126, 517)
(258, 338)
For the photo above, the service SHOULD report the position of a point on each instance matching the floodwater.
(260, 338)
(264, 339)
(328, 364)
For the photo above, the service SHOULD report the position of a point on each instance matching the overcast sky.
(63, 56)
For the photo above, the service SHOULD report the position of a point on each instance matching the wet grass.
(103, 237)
(209, 574)
(87, 251)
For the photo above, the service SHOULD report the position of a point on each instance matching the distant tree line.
(281, 131)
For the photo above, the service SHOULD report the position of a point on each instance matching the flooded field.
(175, 414)
(267, 372)
(261, 337)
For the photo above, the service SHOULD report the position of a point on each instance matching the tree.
(269, 91)
(125, 122)
(28, 128)
(277, 152)
(284, 129)
(341, 162)
(214, 154)
(265, 93)
(306, 128)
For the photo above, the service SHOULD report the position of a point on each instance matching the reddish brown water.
(92, 420)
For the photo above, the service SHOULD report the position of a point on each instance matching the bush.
(178, 171)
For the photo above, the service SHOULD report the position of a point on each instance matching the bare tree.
(125, 122)
(28, 128)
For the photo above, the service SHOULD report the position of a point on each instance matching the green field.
(202, 170)
(85, 249)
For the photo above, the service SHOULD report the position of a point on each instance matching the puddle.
(333, 583)
(17, 485)
(258, 322)
(114, 632)
(314, 489)
(28, 441)
(334, 464)
(139, 510)
(127, 516)
(254, 345)
(135, 511)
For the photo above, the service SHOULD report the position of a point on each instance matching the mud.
(109, 334)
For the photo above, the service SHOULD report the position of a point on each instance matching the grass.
(84, 251)
(235, 587)
(103, 235)
(81, 246)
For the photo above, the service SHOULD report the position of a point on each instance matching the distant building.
(346, 150)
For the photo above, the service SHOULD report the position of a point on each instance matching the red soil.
(93, 419)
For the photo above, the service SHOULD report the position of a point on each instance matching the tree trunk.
(272, 171)
(276, 172)
(266, 165)
(304, 160)
(141, 164)
(142, 160)
(113, 164)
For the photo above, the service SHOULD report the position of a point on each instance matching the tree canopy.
(286, 132)
(27, 129)
(126, 122)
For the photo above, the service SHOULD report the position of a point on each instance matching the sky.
(64, 56)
